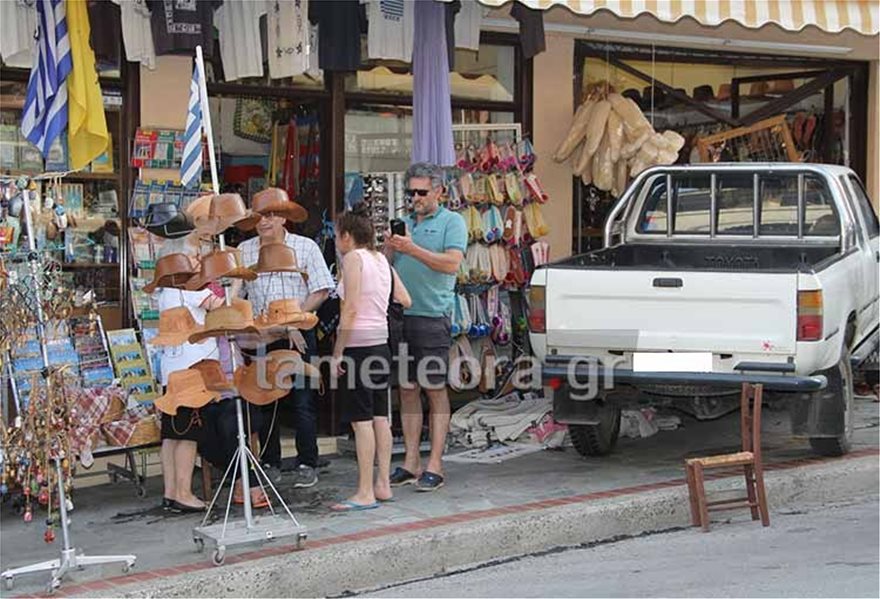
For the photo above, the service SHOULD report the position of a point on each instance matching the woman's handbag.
(395, 319)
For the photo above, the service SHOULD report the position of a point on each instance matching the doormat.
(493, 455)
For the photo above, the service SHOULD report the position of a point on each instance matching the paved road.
(817, 552)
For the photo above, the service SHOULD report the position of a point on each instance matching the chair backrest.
(750, 418)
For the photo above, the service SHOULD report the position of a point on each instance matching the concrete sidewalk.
(485, 512)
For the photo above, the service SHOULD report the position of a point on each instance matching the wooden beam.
(674, 93)
(777, 76)
(790, 99)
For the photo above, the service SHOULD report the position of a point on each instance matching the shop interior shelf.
(87, 265)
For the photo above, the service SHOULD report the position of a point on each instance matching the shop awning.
(828, 15)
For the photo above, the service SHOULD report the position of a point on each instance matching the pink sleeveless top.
(370, 325)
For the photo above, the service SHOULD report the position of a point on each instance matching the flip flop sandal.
(428, 482)
(401, 477)
(351, 506)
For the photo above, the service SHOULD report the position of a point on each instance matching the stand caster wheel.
(54, 585)
(300, 539)
(127, 567)
(200, 544)
(141, 492)
(9, 582)
(219, 556)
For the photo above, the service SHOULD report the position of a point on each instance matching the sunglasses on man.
(417, 192)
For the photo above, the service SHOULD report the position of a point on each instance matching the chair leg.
(692, 495)
(206, 479)
(762, 495)
(700, 485)
(750, 489)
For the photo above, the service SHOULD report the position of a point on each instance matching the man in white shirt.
(284, 285)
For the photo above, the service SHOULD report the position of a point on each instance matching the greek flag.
(45, 105)
(191, 163)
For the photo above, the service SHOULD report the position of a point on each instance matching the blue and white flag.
(191, 163)
(45, 105)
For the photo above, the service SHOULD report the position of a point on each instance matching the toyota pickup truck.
(711, 276)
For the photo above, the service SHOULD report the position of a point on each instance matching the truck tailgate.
(645, 310)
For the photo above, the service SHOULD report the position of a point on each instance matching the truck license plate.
(672, 362)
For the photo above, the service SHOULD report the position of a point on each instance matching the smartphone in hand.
(398, 227)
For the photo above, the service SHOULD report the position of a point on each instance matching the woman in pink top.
(361, 355)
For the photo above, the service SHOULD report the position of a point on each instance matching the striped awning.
(829, 15)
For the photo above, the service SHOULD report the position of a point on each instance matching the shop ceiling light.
(661, 38)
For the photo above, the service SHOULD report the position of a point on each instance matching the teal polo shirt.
(432, 292)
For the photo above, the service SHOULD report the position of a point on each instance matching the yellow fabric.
(828, 15)
(87, 134)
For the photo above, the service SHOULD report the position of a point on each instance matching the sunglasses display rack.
(385, 199)
(70, 559)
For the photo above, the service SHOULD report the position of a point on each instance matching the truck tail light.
(809, 316)
(537, 310)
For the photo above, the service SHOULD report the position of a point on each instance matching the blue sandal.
(401, 476)
(428, 482)
(351, 506)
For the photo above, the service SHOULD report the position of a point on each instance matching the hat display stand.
(69, 559)
(252, 529)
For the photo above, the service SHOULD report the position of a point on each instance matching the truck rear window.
(735, 210)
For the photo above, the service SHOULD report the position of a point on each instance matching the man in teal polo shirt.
(427, 259)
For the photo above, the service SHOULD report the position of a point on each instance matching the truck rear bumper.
(560, 368)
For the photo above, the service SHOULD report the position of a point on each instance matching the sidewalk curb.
(378, 557)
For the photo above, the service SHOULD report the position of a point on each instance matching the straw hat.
(275, 202)
(227, 320)
(175, 327)
(219, 264)
(173, 270)
(257, 383)
(213, 375)
(186, 389)
(286, 313)
(225, 210)
(278, 257)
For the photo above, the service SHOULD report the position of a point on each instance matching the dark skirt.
(186, 425)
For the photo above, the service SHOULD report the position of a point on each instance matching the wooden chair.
(749, 458)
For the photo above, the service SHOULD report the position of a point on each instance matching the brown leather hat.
(186, 389)
(275, 202)
(175, 327)
(723, 92)
(213, 375)
(227, 320)
(781, 86)
(219, 264)
(226, 210)
(261, 384)
(758, 89)
(199, 207)
(278, 257)
(173, 270)
(286, 313)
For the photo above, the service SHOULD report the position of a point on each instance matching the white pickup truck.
(711, 276)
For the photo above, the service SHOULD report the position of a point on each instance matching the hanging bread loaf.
(596, 126)
(583, 161)
(576, 133)
(621, 172)
(603, 168)
(675, 140)
(630, 113)
(614, 131)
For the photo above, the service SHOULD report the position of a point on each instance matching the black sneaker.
(304, 477)
(429, 481)
(273, 473)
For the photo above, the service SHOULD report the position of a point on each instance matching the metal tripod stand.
(69, 559)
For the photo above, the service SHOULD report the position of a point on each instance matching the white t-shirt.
(185, 355)
(18, 24)
(238, 24)
(467, 25)
(390, 26)
(137, 35)
(287, 28)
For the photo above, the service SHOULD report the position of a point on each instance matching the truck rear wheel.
(840, 391)
(591, 440)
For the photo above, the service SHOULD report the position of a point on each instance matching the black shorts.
(428, 340)
(363, 392)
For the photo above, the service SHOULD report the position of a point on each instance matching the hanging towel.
(87, 137)
(432, 108)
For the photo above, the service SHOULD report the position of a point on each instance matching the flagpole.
(206, 119)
